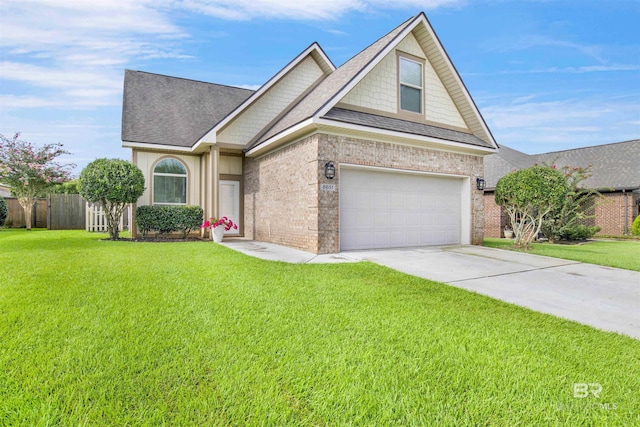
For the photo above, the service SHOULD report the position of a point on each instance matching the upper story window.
(170, 183)
(410, 85)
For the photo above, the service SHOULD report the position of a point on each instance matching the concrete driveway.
(602, 297)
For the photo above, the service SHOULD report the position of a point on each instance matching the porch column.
(212, 199)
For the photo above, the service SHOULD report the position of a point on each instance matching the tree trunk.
(27, 206)
(114, 213)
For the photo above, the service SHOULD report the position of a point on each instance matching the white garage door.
(381, 209)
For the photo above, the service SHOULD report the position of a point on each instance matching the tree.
(528, 195)
(113, 183)
(29, 170)
(68, 187)
(563, 222)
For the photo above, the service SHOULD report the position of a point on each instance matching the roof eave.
(294, 132)
(392, 136)
(152, 146)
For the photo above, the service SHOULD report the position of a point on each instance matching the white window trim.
(401, 83)
(185, 175)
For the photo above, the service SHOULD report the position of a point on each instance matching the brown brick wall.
(281, 196)
(340, 149)
(495, 219)
(610, 213)
(284, 204)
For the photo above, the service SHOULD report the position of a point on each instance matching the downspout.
(626, 212)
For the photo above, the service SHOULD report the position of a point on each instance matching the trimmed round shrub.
(113, 183)
(3, 211)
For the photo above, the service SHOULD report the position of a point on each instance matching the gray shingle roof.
(382, 122)
(331, 85)
(614, 166)
(166, 110)
(498, 165)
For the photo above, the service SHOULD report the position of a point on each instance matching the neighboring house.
(395, 125)
(5, 191)
(615, 170)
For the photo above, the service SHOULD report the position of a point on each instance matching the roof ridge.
(402, 25)
(186, 79)
(588, 146)
(326, 100)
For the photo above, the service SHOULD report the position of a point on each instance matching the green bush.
(3, 211)
(114, 183)
(577, 232)
(168, 219)
(635, 228)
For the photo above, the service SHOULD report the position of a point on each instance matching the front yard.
(97, 332)
(611, 253)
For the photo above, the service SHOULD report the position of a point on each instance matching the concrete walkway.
(602, 297)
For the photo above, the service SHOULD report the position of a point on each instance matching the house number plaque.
(328, 187)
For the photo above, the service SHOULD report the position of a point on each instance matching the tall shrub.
(3, 211)
(635, 227)
(528, 195)
(563, 222)
(113, 183)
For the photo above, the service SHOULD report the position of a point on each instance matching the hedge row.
(168, 219)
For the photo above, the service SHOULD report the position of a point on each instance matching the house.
(615, 173)
(5, 191)
(383, 151)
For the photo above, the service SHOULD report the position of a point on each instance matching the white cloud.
(12, 102)
(76, 50)
(302, 10)
(535, 127)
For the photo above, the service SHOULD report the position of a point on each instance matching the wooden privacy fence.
(15, 213)
(63, 212)
(66, 212)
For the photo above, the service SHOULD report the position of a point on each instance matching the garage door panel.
(386, 209)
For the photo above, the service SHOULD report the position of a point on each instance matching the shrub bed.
(168, 219)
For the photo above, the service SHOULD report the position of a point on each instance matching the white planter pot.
(217, 234)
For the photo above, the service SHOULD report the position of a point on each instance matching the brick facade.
(615, 212)
(495, 219)
(281, 196)
(284, 204)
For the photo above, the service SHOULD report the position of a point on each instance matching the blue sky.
(547, 75)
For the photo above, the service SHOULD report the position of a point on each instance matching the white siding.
(266, 108)
(438, 105)
(378, 90)
(147, 160)
(230, 165)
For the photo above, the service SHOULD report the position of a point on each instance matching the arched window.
(170, 183)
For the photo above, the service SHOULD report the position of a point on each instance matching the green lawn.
(102, 333)
(612, 253)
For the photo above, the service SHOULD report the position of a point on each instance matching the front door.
(229, 199)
